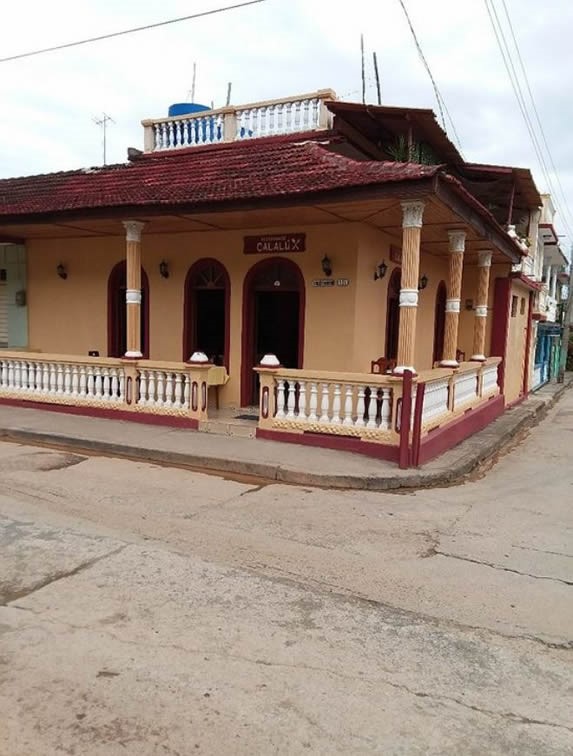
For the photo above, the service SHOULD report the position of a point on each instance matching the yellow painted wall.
(345, 327)
(516, 344)
(70, 316)
(467, 316)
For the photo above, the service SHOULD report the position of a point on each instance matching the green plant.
(415, 152)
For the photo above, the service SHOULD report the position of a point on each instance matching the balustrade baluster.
(59, 379)
(348, 401)
(178, 391)
(53, 378)
(160, 388)
(4, 373)
(121, 390)
(186, 391)
(75, 380)
(90, 385)
(67, 380)
(360, 407)
(10, 374)
(38, 377)
(291, 399)
(106, 384)
(151, 389)
(280, 399)
(114, 387)
(386, 409)
(26, 367)
(302, 401)
(315, 113)
(17, 375)
(83, 381)
(288, 118)
(142, 398)
(168, 390)
(325, 404)
(306, 115)
(336, 405)
(313, 404)
(373, 408)
(98, 383)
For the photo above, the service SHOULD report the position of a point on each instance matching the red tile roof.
(265, 168)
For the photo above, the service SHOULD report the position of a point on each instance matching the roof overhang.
(548, 233)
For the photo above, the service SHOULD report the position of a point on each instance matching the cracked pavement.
(146, 610)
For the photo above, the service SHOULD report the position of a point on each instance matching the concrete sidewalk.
(269, 460)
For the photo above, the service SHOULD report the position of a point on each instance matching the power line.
(440, 100)
(537, 117)
(130, 31)
(518, 92)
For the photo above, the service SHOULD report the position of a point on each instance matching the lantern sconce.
(163, 269)
(326, 266)
(423, 282)
(380, 270)
(61, 271)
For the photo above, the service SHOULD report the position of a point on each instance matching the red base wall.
(341, 443)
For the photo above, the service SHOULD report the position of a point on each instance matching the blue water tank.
(184, 108)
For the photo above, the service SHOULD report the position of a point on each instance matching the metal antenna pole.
(377, 78)
(103, 123)
(362, 64)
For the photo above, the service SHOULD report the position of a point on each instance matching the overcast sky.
(276, 48)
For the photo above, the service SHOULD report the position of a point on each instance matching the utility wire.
(537, 117)
(440, 100)
(130, 31)
(516, 86)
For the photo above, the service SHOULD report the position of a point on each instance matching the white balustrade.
(61, 382)
(270, 118)
(333, 406)
(436, 396)
(466, 388)
(489, 379)
(165, 389)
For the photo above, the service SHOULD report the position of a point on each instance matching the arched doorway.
(440, 321)
(393, 314)
(273, 319)
(207, 311)
(117, 314)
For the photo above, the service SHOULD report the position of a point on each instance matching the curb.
(525, 418)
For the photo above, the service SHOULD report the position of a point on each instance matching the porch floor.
(240, 456)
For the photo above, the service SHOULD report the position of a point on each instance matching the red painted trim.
(339, 443)
(446, 436)
(189, 306)
(405, 420)
(247, 363)
(134, 417)
(528, 345)
(526, 281)
(500, 324)
(417, 431)
(118, 272)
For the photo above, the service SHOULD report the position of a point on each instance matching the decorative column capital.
(412, 212)
(457, 241)
(484, 259)
(133, 230)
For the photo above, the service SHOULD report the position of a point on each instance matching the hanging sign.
(274, 244)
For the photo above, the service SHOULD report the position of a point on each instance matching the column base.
(401, 369)
(132, 356)
(450, 363)
(478, 358)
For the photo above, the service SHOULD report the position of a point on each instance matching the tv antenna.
(103, 122)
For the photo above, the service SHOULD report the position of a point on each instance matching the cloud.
(269, 50)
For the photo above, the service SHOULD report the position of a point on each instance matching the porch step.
(230, 427)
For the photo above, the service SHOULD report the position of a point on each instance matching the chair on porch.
(460, 356)
(382, 365)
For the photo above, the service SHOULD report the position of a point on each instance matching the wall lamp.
(380, 270)
(163, 269)
(326, 265)
(423, 282)
(61, 271)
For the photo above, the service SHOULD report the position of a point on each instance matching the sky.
(280, 48)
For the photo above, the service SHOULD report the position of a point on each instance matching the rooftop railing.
(291, 115)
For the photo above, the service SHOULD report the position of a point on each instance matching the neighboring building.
(330, 234)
